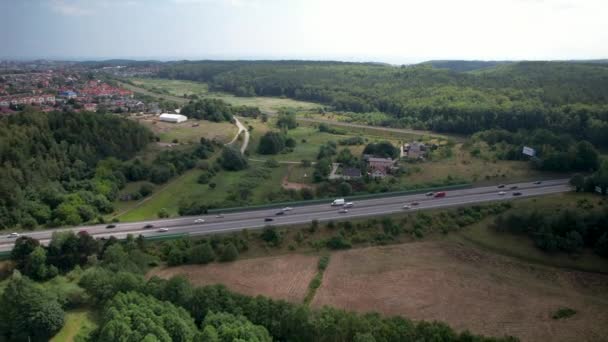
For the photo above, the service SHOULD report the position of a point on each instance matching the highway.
(252, 219)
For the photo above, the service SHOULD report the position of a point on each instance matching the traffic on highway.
(290, 216)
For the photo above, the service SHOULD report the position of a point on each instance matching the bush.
(563, 313)
(323, 262)
(271, 236)
(201, 254)
(232, 159)
(229, 253)
(163, 213)
(338, 242)
(203, 178)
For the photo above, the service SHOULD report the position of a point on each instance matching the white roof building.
(177, 118)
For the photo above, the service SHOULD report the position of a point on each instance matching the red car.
(440, 194)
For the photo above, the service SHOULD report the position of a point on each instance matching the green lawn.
(78, 324)
(177, 89)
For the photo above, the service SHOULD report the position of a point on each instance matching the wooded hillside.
(562, 96)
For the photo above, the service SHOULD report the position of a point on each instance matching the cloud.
(234, 3)
(86, 7)
(70, 8)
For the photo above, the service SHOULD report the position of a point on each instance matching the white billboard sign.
(529, 151)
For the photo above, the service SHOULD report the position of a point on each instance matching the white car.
(163, 230)
(348, 205)
(219, 216)
(343, 211)
(13, 235)
(199, 221)
(502, 193)
(407, 206)
(287, 209)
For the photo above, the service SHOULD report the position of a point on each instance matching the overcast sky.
(395, 31)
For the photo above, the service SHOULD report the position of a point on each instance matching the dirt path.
(241, 128)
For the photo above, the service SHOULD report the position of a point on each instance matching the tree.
(36, 267)
(383, 149)
(345, 189)
(287, 120)
(133, 316)
(271, 143)
(577, 181)
(28, 311)
(201, 254)
(232, 159)
(163, 213)
(271, 236)
(229, 252)
(24, 246)
(305, 163)
(229, 327)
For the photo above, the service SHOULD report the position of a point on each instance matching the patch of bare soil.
(468, 289)
(285, 277)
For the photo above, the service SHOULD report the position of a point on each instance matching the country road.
(255, 219)
(241, 128)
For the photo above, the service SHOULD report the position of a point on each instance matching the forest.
(58, 168)
(561, 96)
(67, 168)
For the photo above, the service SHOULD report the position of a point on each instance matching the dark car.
(538, 182)
(148, 226)
(517, 194)
(111, 226)
(268, 219)
(414, 203)
(501, 186)
(513, 187)
(279, 213)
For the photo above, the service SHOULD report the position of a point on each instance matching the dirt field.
(190, 131)
(468, 289)
(285, 277)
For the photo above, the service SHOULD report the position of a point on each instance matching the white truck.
(336, 202)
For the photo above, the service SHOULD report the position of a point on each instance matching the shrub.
(229, 253)
(338, 242)
(563, 313)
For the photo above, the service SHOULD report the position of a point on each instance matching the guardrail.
(5, 255)
(347, 198)
(165, 237)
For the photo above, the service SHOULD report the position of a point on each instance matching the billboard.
(529, 151)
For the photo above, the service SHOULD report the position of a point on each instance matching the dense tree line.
(61, 168)
(217, 110)
(563, 97)
(554, 152)
(567, 231)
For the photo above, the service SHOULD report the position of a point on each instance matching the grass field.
(308, 140)
(191, 131)
(462, 165)
(177, 89)
(285, 277)
(78, 323)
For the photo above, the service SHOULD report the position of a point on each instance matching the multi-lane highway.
(252, 219)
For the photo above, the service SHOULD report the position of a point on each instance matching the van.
(339, 201)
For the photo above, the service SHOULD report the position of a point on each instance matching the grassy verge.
(521, 247)
(315, 283)
(79, 324)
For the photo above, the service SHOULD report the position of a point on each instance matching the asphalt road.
(252, 219)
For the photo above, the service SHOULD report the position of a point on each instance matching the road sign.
(529, 151)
